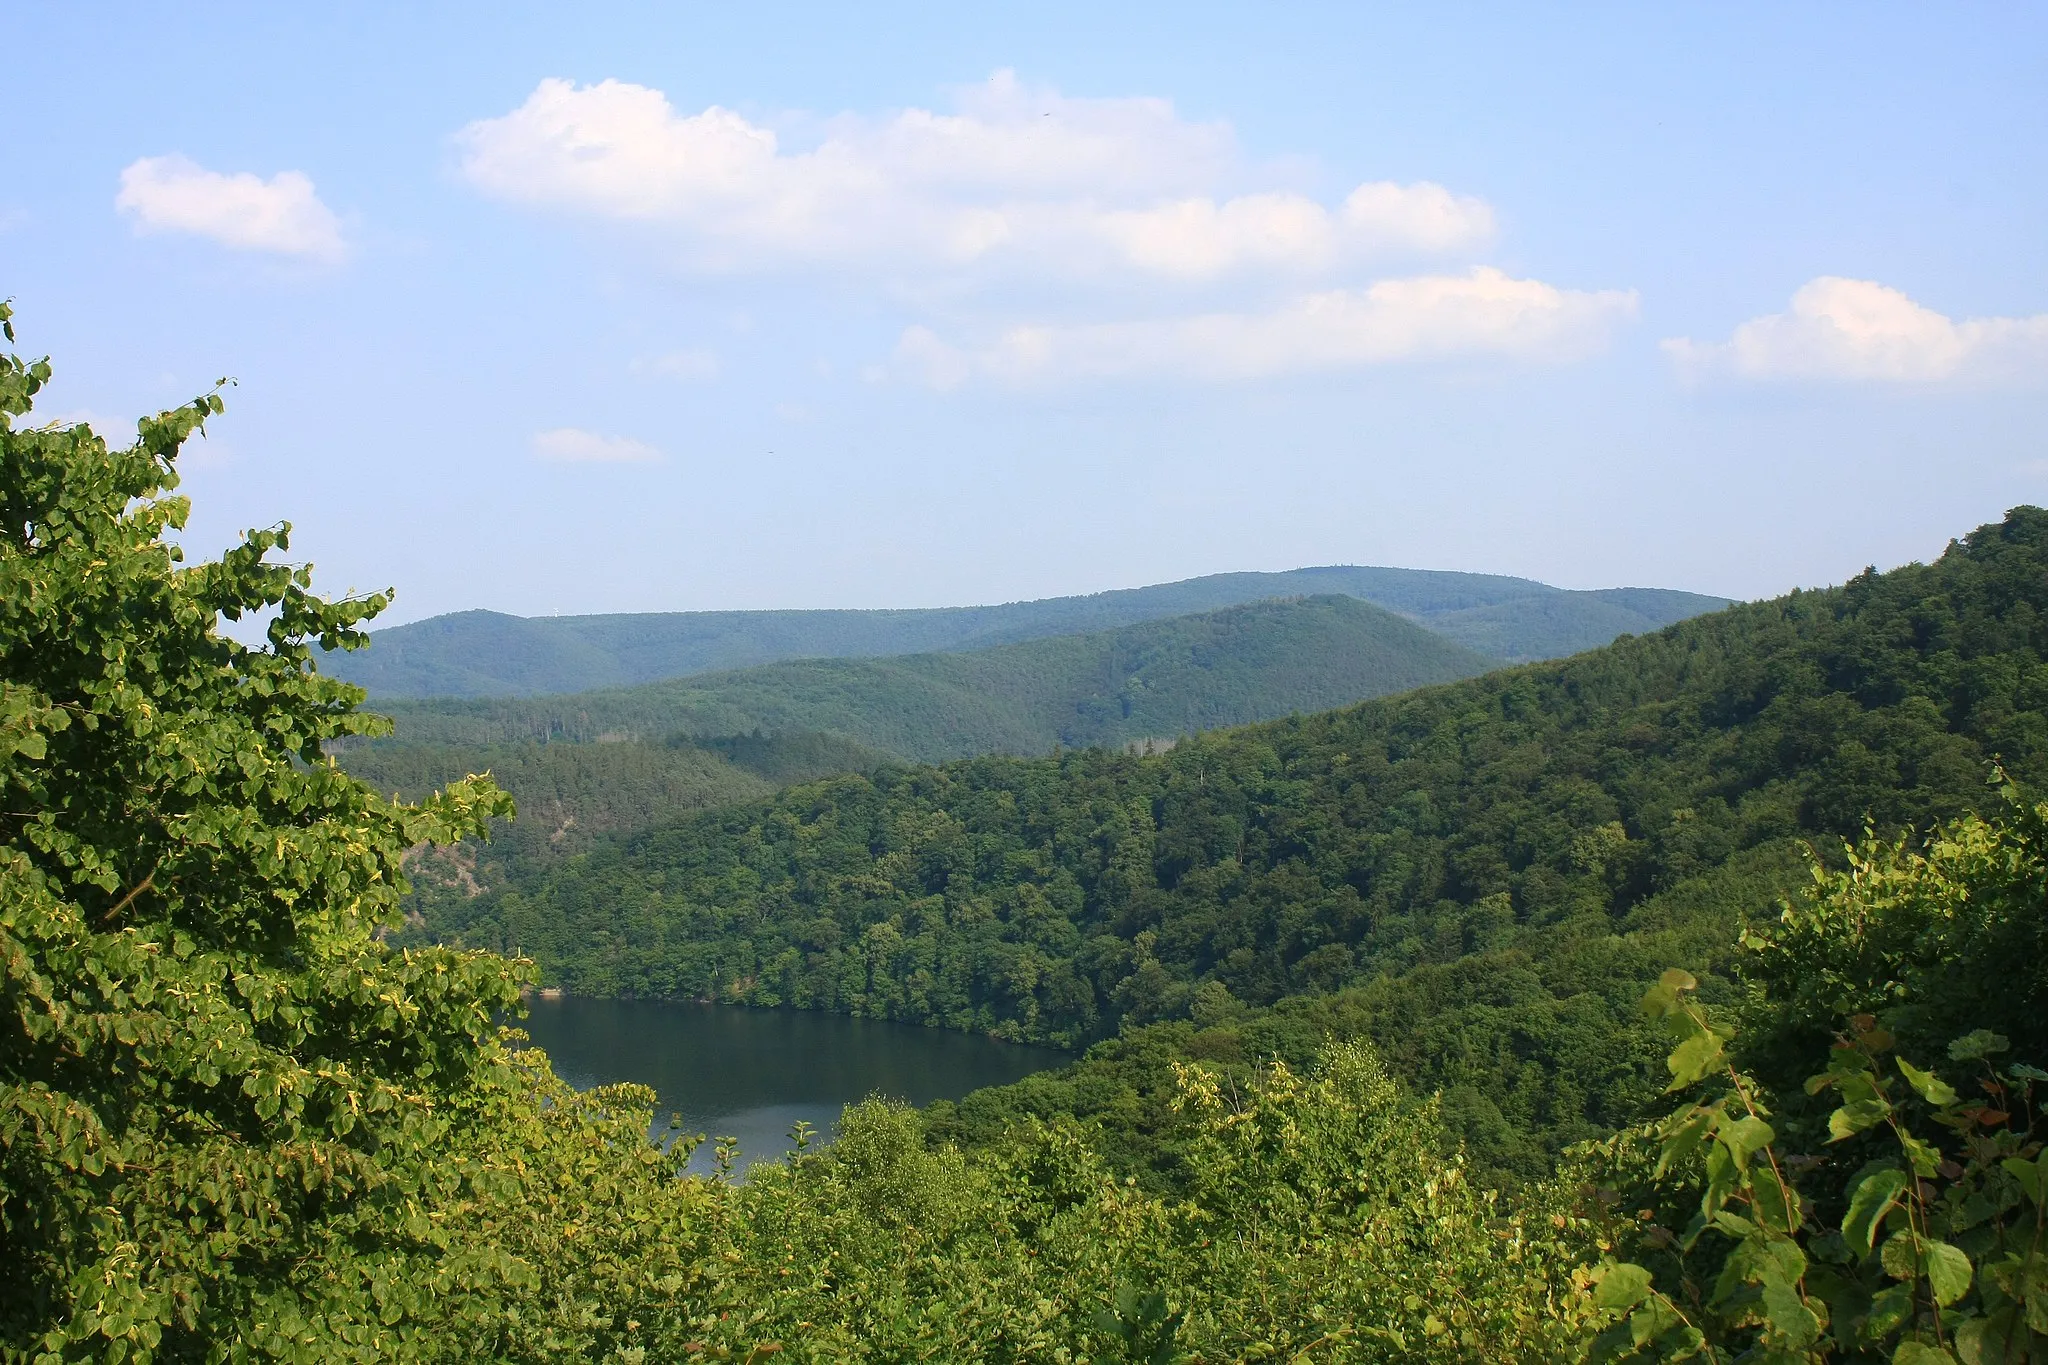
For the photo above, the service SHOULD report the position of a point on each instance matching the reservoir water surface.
(751, 1074)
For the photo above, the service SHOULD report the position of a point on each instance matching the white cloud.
(1843, 329)
(1435, 317)
(243, 211)
(694, 363)
(570, 445)
(1082, 186)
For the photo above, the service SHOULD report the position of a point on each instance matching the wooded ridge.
(1158, 679)
(484, 653)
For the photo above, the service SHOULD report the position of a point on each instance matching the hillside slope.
(1159, 679)
(570, 795)
(1496, 864)
(483, 653)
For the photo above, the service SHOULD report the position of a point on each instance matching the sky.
(554, 309)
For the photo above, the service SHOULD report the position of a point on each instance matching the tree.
(1913, 1228)
(221, 1095)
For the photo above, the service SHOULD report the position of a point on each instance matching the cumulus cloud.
(571, 445)
(281, 215)
(1433, 317)
(1842, 329)
(1014, 174)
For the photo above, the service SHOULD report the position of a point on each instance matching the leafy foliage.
(1329, 1225)
(232, 1122)
(1935, 941)
(1920, 1234)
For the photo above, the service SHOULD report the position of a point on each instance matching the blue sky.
(606, 307)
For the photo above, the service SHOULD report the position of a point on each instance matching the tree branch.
(122, 904)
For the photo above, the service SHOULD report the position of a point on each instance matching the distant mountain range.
(1154, 680)
(489, 654)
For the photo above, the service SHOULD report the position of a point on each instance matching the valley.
(1530, 845)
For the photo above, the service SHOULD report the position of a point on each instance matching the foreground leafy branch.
(1919, 1235)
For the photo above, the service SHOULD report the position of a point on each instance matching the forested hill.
(1498, 832)
(1156, 680)
(483, 653)
(572, 794)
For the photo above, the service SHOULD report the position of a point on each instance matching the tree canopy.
(232, 1120)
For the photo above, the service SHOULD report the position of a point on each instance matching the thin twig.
(122, 904)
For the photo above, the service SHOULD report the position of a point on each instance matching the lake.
(751, 1074)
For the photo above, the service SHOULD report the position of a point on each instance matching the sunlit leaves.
(222, 1100)
(1947, 1270)
(1930, 1087)
(1870, 1200)
(1942, 1236)
(1620, 1287)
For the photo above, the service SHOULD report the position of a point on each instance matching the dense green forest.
(489, 654)
(1159, 679)
(570, 795)
(242, 1118)
(1531, 844)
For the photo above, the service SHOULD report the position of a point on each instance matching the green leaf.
(1900, 1255)
(1734, 1225)
(2031, 1176)
(1744, 1138)
(1923, 1157)
(1723, 1180)
(1976, 1045)
(1789, 1317)
(1890, 1309)
(1851, 1119)
(1948, 1272)
(1992, 1341)
(1662, 998)
(1781, 1262)
(1776, 1204)
(1620, 1286)
(1693, 1059)
(1931, 1087)
(1611, 1344)
(1651, 1320)
(1871, 1199)
(1683, 1134)
(1919, 1353)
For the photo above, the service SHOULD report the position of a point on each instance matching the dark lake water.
(752, 1074)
